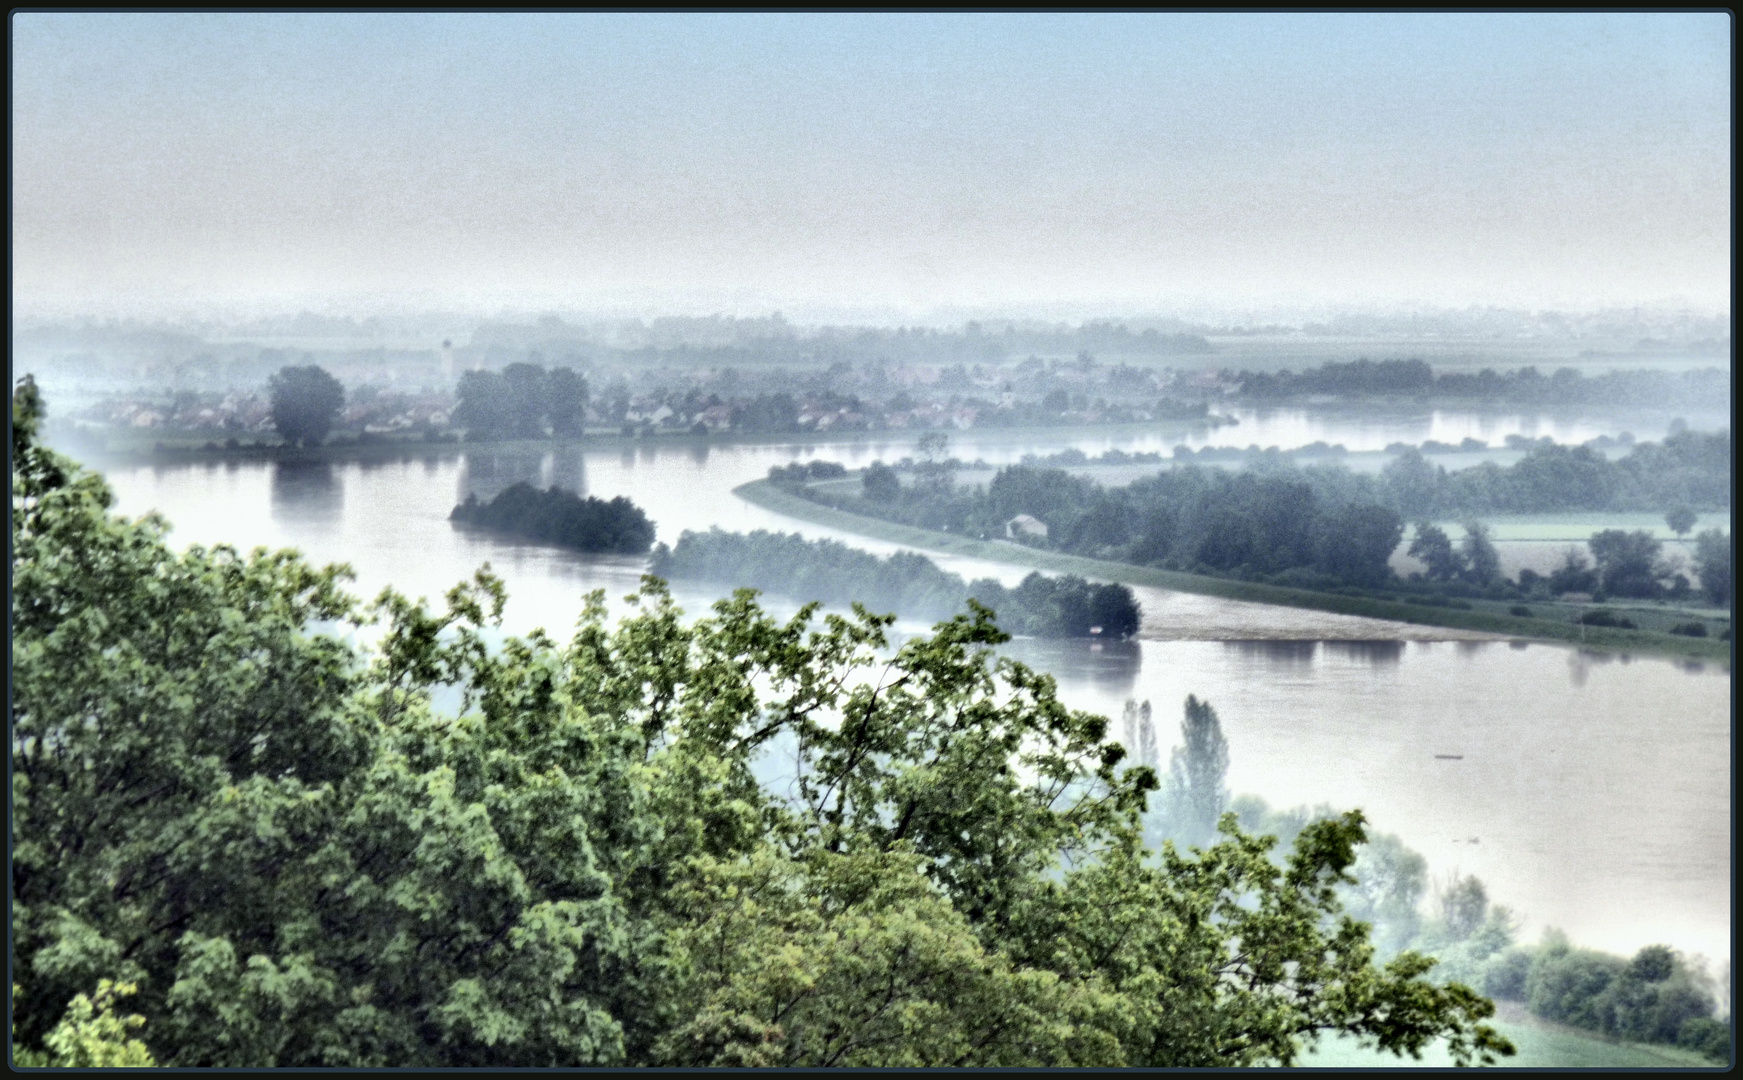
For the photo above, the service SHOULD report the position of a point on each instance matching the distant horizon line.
(803, 314)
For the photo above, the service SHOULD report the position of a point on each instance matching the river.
(1590, 794)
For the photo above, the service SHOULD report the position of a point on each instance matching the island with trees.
(905, 582)
(560, 517)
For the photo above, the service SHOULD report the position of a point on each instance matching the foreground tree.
(300, 860)
(305, 403)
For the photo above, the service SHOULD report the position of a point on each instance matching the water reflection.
(1580, 663)
(568, 470)
(1279, 653)
(487, 474)
(1110, 667)
(1372, 653)
(306, 493)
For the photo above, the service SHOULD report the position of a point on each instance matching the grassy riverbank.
(1541, 1044)
(765, 494)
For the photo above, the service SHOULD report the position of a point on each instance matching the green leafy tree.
(880, 483)
(90, 1035)
(1432, 546)
(486, 406)
(1412, 483)
(1681, 519)
(301, 860)
(1482, 564)
(1627, 562)
(1356, 542)
(566, 402)
(305, 401)
(934, 473)
(1713, 564)
(525, 385)
(1195, 796)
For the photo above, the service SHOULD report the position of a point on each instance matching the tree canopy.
(522, 401)
(563, 517)
(453, 849)
(305, 401)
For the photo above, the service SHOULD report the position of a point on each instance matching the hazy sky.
(739, 162)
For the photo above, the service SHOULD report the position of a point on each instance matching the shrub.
(1707, 1036)
(1690, 629)
(1520, 610)
(1566, 985)
(1605, 617)
(1507, 975)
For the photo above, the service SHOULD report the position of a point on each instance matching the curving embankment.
(1381, 619)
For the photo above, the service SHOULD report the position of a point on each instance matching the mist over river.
(1592, 793)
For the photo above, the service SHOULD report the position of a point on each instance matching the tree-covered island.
(905, 582)
(561, 517)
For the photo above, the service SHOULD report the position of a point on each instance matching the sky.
(1004, 163)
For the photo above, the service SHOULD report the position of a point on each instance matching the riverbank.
(147, 447)
(764, 494)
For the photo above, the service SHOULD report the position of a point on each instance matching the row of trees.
(562, 517)
(1191, 518)
(905, 582)
(1632, 564)
(1688, 469)
(1314, 526)
(300, 860)
(522, 401)
(1526, 386)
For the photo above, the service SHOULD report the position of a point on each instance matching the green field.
(1540, 1044)
(1485, 616)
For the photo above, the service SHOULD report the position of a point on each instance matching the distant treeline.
(562, 517)
(1195, 519)
(1687, 469)
(522, 401)
(747, 341)
(907, 583)
(1414, 378)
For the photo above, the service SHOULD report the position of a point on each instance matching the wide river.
(1589, 793)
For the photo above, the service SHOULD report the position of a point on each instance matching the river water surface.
(1589, 793)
